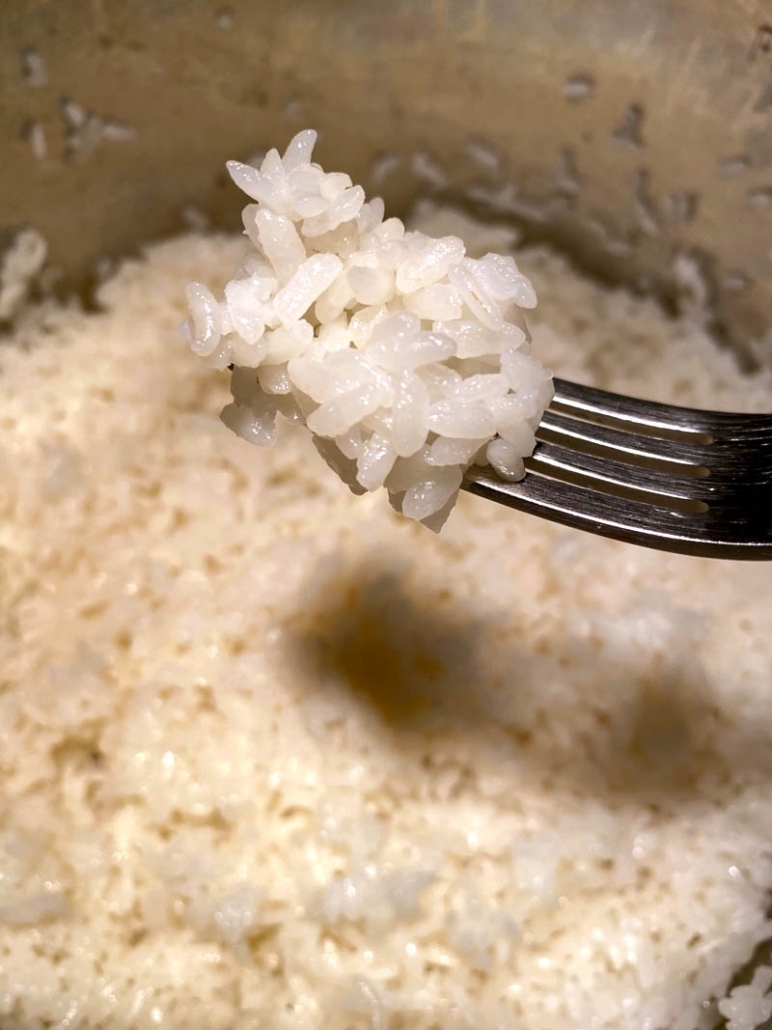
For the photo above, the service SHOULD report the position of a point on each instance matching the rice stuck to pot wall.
(272, 756)
(407, 359)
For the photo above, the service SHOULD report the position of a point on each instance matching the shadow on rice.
(419, 669)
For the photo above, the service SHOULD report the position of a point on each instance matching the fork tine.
(559, 428)
(553, 459)
(746, 535)
(720, 457)
(586, 401)
(694, 482)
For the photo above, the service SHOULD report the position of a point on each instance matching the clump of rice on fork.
(407, 360)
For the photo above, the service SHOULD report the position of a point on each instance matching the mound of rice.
(407, 359)
(272, 756)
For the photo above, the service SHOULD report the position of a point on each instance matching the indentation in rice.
(406, 355)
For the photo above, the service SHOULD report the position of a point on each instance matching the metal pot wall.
(635, 134)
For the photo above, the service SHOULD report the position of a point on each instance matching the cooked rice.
(272, 756)
(20, 265)
(407, 359)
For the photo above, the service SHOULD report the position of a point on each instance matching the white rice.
(383, 166)
(87, 130)
(484, 156)
(36, 137)
(429, 170)
(272, 756)
(578, 87)
(750, 1005)
(20, 266)
(33, 68)
(350, 320)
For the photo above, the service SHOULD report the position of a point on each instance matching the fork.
(671, 478)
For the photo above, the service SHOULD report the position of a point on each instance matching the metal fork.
(676, 479)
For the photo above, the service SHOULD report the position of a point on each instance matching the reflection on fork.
(676, 479)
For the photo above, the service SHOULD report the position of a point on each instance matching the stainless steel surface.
(694, 482)
(636, 134)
